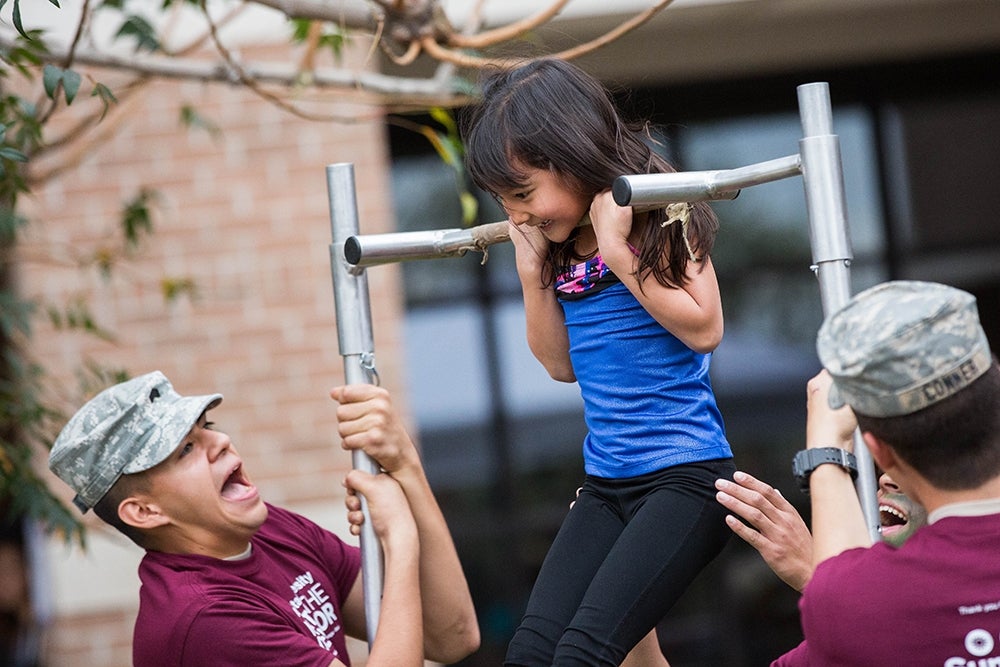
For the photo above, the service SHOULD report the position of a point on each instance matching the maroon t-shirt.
(280, 606)
(933, 601)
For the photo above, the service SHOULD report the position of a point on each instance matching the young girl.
(629, 308)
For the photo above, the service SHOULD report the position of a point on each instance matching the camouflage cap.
(125, 429)
(902, 346)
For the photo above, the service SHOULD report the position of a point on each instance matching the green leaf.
(143, 32)
(174, 288)
(8, 153)
(107, 98)
(76, 315)
(15, 315)
(17, 19)
(300, 29)
(25, 54)
(51, 78)
(332, 37)
(470, 207)
(192, 119)
(71, 85)
(10, 224)
(444, 117)
(137, 218)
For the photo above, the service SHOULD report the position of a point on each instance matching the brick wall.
(244, 214)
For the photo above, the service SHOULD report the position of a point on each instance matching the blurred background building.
(243, 213)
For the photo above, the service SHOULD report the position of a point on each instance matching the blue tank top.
(648, 401)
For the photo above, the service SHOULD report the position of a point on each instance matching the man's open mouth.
(891, 516)
(236, 485)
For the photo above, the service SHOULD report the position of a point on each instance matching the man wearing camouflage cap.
(229, 580)
(912, 365)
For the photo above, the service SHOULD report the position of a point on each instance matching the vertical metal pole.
(823, 179)
(354, 333)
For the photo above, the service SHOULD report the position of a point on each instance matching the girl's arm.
(546, 327)
(693, 312)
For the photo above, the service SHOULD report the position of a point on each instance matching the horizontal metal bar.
(642, 191)
(662, 189)
(372, 249)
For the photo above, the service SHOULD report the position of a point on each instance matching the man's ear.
(882, 453)
(140, 513)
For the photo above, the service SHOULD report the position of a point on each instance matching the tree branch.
(415, 91)
(613, 34)
(348, 13)
(444, 54)
(507, 32)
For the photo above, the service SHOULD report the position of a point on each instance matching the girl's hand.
(530, 249)
(612, 225)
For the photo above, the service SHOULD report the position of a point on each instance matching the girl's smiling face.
(545, 201)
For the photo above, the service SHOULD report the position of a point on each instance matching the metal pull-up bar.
(818, 162)
(357, 347)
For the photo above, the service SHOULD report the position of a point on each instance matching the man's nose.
(888, 484)
(218, 443)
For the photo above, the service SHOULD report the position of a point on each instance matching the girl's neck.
(585, 243)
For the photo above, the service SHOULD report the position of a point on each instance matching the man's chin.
(250, 512)
(895, 535)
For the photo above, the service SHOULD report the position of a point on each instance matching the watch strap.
(807, 460)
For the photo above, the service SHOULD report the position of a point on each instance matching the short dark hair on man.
(107, 507)
(955, 443)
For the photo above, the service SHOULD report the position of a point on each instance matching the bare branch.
(507, 32)
(78, 129)
(53, 103)
(200, 40)
(308, 62)
(351, 14)
(614, 34)
(255, 87)
(78, 143)
(412, 51)
(281, 74)
(444, 54)
(84, 15)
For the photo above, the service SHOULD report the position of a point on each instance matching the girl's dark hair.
(549, 114)
(955, 443)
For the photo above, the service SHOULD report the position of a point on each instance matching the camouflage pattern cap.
(125, 429)
(902, 346)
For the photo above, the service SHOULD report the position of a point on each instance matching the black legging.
(625, 553)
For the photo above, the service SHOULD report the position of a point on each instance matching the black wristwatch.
(809, 459)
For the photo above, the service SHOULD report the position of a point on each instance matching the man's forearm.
(837, 520)
(451, 631)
